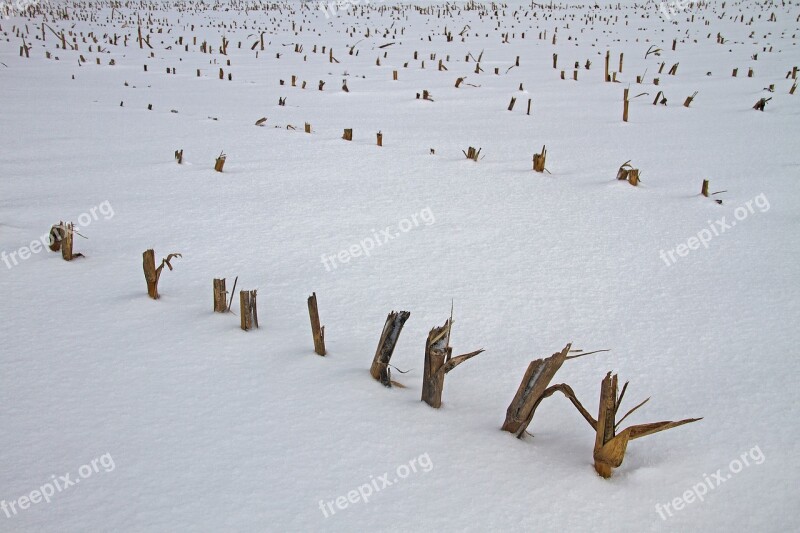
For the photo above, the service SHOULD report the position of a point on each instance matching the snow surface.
(214, 429)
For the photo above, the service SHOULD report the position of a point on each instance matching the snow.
(214, 429)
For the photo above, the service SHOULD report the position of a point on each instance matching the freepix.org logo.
(9, 9)
(670, 8)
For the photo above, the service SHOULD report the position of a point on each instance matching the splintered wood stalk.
(438, 362)
(610, 446)
(625, 104)
(379, 136)
(317, 331)
(534, 388)
(539, 160)
(68, 232)
(220, 162)
(628, 173)
(689, 100)
(248, 309)
(220, 296)
(153, 274)
(383, 354)
(472, 153)
(704, 189)
(761, 104)
(179, 156)
(348, 134)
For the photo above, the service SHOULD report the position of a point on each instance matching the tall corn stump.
(380, 138)
(438, 362)
(348, 134)
(628, 173)
(534, 388)
(220, 162)
(704, 190)
(610, 446)
(220, 296)
(689, 100)
(472, 153)
(539, 160)
(248, 310)
(179, 156)
(511, 104)
(625, 104)
(317, 331)
(153, 274)
(66, 243)
(383, 354)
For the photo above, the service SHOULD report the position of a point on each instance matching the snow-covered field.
(143, 415)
